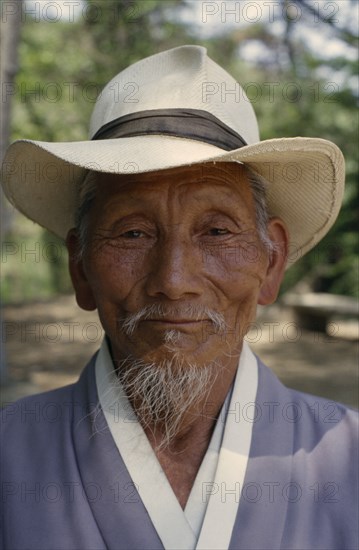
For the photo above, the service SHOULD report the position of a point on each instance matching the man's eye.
(218, 231)
(132, 234)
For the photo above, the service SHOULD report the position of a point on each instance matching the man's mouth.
(171, 321)
(176, 321)
(187, 318)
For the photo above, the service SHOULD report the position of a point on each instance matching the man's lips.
(174, 321)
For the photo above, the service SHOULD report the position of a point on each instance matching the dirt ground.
(47, 345)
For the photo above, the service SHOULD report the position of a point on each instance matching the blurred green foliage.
(63, 66)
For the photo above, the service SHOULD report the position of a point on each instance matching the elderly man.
(178, 222)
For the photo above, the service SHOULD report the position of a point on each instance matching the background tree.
(10, 34)
(300, 94)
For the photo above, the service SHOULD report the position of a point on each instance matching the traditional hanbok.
(78, 473)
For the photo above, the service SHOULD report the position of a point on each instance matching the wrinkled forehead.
(189, 189)
(228, 178)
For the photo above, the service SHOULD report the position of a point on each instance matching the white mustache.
(130, 323)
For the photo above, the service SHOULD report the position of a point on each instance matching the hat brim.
(305, 175)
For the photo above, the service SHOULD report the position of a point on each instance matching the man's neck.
(182, 459)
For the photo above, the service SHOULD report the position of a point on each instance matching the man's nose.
(175, 269)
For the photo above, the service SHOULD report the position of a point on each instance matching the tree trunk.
(10, 26)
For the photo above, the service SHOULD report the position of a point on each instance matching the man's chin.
(172, 354)
(169, 345)
(179, 356)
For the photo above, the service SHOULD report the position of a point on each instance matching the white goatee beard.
(163, 393)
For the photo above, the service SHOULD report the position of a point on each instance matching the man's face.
(183, 239)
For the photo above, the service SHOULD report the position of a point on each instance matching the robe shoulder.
(64, 484)
(301, 484)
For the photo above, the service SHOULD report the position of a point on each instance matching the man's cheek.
(118, 271)
(232, 257)
(130, 260)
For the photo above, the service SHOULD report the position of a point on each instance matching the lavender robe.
(65, 486)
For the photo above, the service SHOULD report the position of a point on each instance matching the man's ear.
(279, 236)
(83, 291)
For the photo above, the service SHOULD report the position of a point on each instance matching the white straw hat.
(178, 108)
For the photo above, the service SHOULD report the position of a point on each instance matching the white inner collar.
(208, 519)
